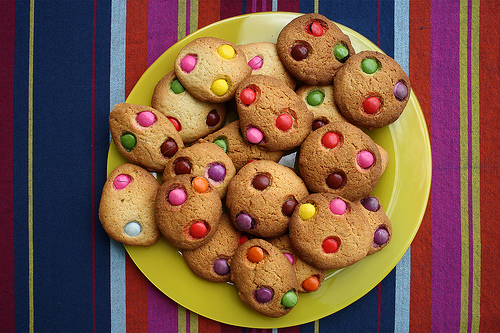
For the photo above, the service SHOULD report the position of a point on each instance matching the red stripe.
(209, 12)
(378, 23)
(7, 31)
(379, 306)
(421, 249)
(230, 8)
(208, 325)
(136, 299)
(289, 6)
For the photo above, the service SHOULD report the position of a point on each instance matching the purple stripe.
(162, 27)
(162, 311)
(445, 124)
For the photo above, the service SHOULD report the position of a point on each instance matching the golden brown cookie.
(313, 48)
(191, 117)
(261, 198)
(126, 209)
(188, 211)
(379, 223)
(144, 135)
(371, 90)
(264, 277)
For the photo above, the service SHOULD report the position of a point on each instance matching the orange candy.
(200, 184)
(255, 254)
(311, 284)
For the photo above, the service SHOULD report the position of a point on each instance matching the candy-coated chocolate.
(256, 63)
(369, 65)
(243, 239)
(338, 206)
(299, 52)
(176, 87)
(182, 167)
(264, 295)
(381, 236)
(290, 299)
(222, 143)
(188, 63)
(335, 180)
(121, 181)
(247, 96)
(176, 123)
(315, 29)
(318, 124)
(146, 118)
(128, 141)
(341, 52)
(198, 230)
(254, 135)
(261, 182)
(311, 284)
(243, 221)
(213, 118)
(255, 254)
(371, 203)
(284, 122)
(132, 229)
(221, 267)
(177, 197)
(330, 140)
(226, 51)
(200, 184)
(400, 90)
(371, 105)
(307, 211)
(289, 256)
(330, 245)
(315, 97)
(217, 172)
(220, 87)
(288, 207)
(365, 159)
(169, 148)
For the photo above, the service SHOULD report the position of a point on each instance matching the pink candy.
(365, 159)
(146, 118)
(338, 206)
(121, 181)
(254, 135)
(256, 63)
(177, 197)
(188, 63)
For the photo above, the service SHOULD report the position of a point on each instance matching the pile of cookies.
(235, 213)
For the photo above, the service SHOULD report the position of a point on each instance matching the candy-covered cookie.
(340, 158)
(144, 135)
(191, 117)
(371, 90)
(126, 209)
(230, 139)
(263, 58)
(261, 198)
(188, 211)
(320, 101)
(313, 48)
(308, 277)
(265, 279)
(204, 159)
(329, 232)
(379, 223)
(271, 114)
(211, 68)
(211, 260)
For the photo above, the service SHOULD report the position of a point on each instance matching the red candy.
(330, 245)
(315, 29)
(330, 140)
(284, 122)
(247, 96)
(371, 105)
(176, 123)
(198, 230)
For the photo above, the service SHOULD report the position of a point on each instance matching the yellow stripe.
(476, 211)
(181, 319)
(316, 326)
(464, 170)
(193, 20)
(193, 324)
(30, 168)
(316, 6)
(181, 19)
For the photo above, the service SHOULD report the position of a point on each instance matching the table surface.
(64, 64)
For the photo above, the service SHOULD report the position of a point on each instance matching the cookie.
(379, 223)
(144, 135)
(313, 48)
(126, 209)
(371, 89)
(329, 232)
(271, 114)
(309, 278)
(264, 277)
(211, 68)
(263, 58)
(192, 118)
(340, 158)
(230, 139)
(261, 198)
(202, 159)
(211, 260)
(320, 101)
(188, 211)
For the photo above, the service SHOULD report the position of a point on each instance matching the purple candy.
(243, 221)
(381, 236)
(400, 90)
(371, 204)
(264, 295)
(221, 267)
(217, 172)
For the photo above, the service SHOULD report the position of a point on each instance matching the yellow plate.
(403, 191)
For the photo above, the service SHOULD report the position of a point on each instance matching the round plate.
(403, 191)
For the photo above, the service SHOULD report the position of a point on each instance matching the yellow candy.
(220, 87)
(306, 211)
(226, 51)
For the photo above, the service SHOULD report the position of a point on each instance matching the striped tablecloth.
(64, 64)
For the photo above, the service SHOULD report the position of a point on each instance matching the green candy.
(221, 143)
(369, 65)
(128, 141)
(176, 87)
(290, 299)
(315, 98)
(341, 52)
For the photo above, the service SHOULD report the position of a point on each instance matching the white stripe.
(403, 268)
(117, 95)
